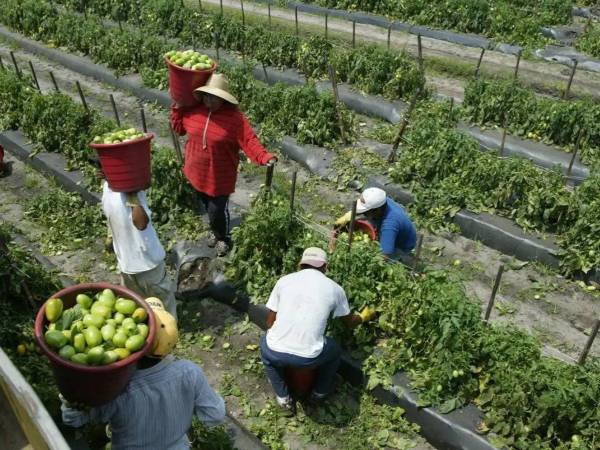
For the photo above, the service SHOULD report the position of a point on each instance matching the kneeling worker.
(155, 411)
(300, 306)
(395, 230)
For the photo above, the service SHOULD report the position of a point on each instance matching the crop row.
(512, 22)
(372, 70)
(429, 328)
(447, 171)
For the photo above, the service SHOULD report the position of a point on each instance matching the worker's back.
(156, 409)
(304, 301)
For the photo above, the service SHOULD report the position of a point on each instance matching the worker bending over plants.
(216, 130)
(299, 308)
(394, 228)
(140, 255)
(156, 409)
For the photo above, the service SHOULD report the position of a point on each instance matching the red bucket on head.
(93, 386)
(183, 82)
(126, 165)
(300, 381)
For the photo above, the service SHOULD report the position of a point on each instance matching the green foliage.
(14, 95)
(513, 22)
(427, 327)
(556, 122)
(589, 42)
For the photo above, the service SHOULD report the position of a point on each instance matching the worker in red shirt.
(216, 131)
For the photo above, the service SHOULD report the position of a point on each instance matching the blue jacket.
(396, 230)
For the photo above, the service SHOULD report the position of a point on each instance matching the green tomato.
(119, 339)
(143, 330)
(92, 336)
(139, 315)
(119, 317)
(80, 358)
(122, 353)
(93, 320)
(84, 301)
(95, 355)
(67, 352)
(125, 306)
(55, 339)
(108, 331)
(110, 357)
(134, 343)
(79, 343)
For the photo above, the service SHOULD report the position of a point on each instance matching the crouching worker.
(156, 409)
(299, 307)
(394, 228)
(140, 255)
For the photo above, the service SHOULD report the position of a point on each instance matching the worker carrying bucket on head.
(394, 228)
(156, 409)
(299, 308)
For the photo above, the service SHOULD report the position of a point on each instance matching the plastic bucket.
(93, 386)
(126, 165)
(300, 381)
(359, 225)
(182, 82)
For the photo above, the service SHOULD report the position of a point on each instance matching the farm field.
(520, 371)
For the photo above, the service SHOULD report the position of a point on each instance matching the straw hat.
(217, 85)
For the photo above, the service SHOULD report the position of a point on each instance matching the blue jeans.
(327, 362)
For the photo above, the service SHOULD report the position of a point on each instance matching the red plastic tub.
(126, 165)
(300, 381)
(93, 386)
(182, 82)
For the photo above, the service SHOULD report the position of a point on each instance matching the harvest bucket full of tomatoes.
(94, 334)
(188, 70)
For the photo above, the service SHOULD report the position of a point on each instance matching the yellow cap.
(166, 328)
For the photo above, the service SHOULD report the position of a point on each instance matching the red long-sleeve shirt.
(212, 148)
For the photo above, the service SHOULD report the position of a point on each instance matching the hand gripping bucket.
(183, 82)
(92, 386)
(126, 165)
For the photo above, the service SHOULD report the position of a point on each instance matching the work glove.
(367, 314)
(344, 220)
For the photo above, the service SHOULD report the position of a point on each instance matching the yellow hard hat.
(166, 328)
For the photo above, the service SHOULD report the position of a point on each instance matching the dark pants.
(327, 362)
(218, 215)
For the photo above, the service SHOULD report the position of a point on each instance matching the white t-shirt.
(304, 301)
(136, 250)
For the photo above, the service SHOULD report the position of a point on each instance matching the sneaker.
(222, 248)
(212, 240)
(317, 398)
(286, 406)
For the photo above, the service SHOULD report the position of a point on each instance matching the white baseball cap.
(371, 198)
(314, 256)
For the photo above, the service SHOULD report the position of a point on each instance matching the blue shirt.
(396, 229)
(155, 411)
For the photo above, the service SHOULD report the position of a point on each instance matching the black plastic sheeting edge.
(15, 143)
(376, 106)
(565, 55)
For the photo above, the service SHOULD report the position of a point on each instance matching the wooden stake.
(337, 101)
(217, 44)
(221, 3)
(34, 75)
(490, 305)
(517, 65)
(568, 89)
(176, 145)
(352, 224)
(588, 344)
(2, 64)
(143, 116)
(353, 33)
(269, 176)
(575, 151)
(389, 37)
(479, 62)
(451, 109)
(243, 14)
(84, 7)
(403, 125)
(269, 12)
(326, 25)
(200, 5)
(54, 81)
(293, 193)
(115, 111)
(81, 96)
(418, 251)
(14, 60)
(265, 72)
(504, 133)
(420, 51)
(296, 19)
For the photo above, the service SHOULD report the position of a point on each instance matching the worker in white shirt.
(299, 307)
(140, 255)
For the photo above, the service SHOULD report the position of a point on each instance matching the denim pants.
(327, 362)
